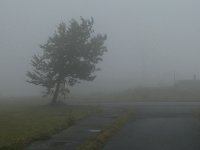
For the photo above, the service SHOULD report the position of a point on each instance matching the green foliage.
(20, 127)
(69, 56)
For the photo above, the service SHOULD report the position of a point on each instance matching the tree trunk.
(56, 93)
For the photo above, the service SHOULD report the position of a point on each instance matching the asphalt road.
(160, 126)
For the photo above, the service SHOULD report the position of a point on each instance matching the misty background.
(148, 40)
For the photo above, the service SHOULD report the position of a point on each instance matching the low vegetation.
(19, 126)
(142, 94)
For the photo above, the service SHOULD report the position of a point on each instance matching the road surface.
(160, 126)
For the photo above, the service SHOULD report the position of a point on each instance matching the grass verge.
(98, 142)
(19, 127)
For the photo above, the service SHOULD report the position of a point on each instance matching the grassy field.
(148, 94)
(20, 125)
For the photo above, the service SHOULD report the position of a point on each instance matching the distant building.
(188, 85)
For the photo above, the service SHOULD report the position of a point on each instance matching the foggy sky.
(148, 40)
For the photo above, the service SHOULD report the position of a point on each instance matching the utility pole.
(195, 77)
(174, 77)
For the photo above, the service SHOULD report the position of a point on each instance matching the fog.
(148, 41)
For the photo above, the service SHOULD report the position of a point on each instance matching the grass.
(21, 125)
(141, 94)
(98, 142)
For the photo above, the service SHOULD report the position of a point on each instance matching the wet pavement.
(83, 130)
(160, 126)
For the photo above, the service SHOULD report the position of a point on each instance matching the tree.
(68, 57)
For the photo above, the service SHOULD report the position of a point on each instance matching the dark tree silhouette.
(69, 56)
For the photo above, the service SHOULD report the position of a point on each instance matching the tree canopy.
(68, 57)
